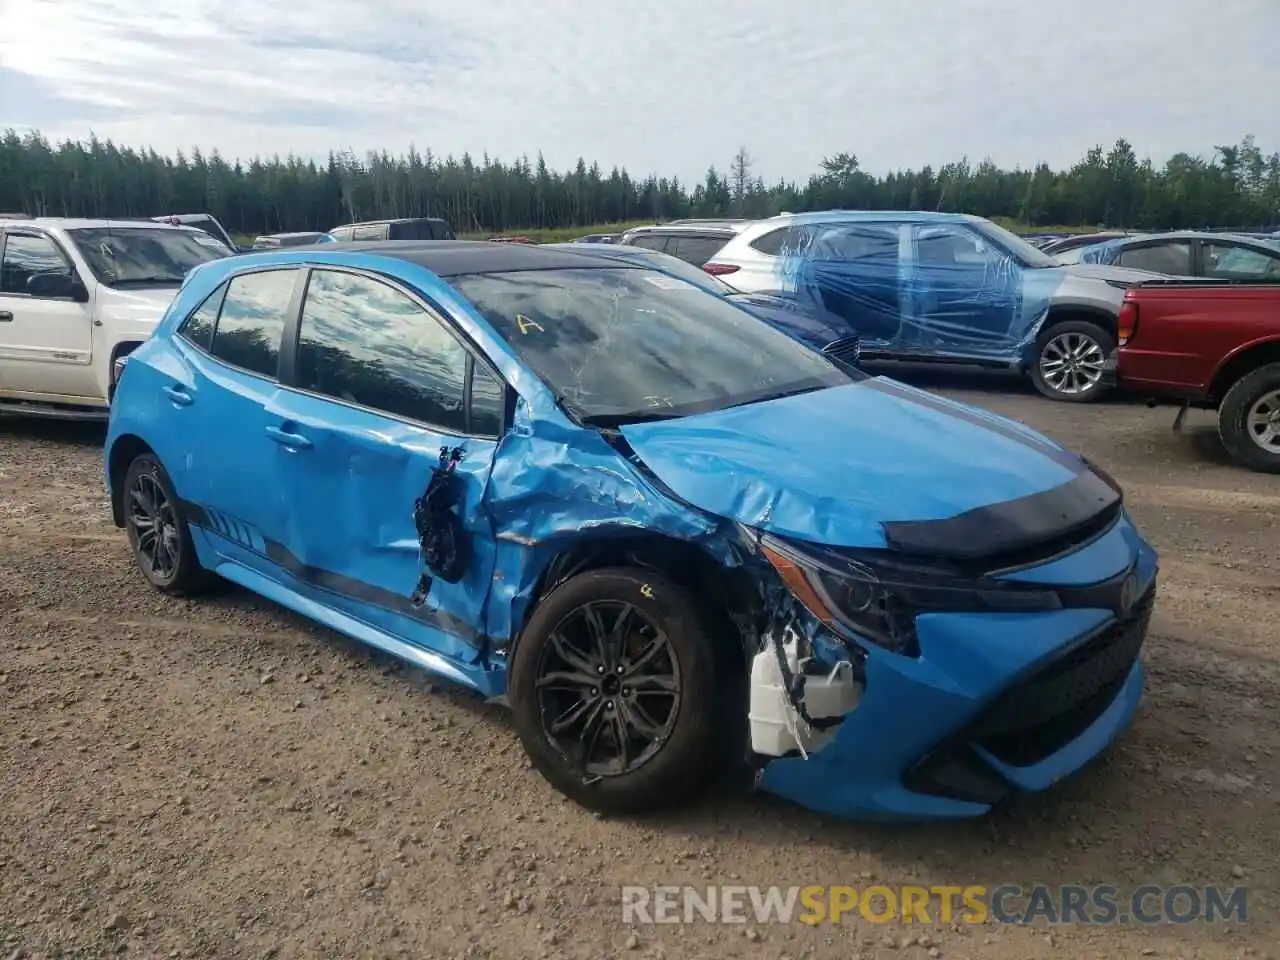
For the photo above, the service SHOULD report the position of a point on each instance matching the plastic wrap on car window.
(927, 288)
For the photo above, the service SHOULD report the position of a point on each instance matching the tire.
(1233, 416)
(1080, 332)
(182, 575)
(685, 760)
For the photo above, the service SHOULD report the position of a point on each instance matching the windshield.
(622, 345)
(125, 256)
(1014, 245)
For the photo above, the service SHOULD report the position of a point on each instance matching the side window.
(863, 241)
(197, 329)
(371, 231)
(251, 322)
(1172, 258)
(488, 402)
(341, 233)
(363, 341)
(771, 243)
(955, 247)
(649, 242)
(1230, 262)
(26, 256)
(695, 250)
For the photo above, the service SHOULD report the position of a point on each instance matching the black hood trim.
(1017, 532)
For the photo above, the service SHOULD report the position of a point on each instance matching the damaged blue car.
(669, 536)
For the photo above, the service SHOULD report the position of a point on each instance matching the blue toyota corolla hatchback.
(668, 535)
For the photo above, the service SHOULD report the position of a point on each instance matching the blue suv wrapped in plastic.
(671, 537)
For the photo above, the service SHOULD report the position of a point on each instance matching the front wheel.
(1070, 359)
(614, 691)
(1249, 419)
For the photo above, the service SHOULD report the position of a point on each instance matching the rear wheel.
(614, 692)
(1070, 358)
(1249, 419)
(157, 530)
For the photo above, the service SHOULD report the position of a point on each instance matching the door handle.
(5, 316)
(295, 441)
(179, 395)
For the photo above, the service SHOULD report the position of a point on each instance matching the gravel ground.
(222, 779)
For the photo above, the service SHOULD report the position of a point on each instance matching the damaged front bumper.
(993, 705)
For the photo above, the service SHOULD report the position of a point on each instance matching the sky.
(658, 86)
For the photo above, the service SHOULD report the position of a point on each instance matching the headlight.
(877, 596)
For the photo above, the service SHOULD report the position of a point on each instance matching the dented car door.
(385, 463)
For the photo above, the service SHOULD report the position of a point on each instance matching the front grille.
(1045, 711)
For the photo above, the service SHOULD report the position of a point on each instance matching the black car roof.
(452, 258)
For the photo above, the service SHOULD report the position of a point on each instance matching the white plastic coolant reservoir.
(776, 727)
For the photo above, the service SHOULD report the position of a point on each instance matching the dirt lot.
(222, 779)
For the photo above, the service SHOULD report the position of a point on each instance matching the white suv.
(76, 297)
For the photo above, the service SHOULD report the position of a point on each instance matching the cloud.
(668, 86)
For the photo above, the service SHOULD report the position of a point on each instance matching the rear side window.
(1232, 262)
(371, 231)
(1172, 258)
(695, 250)
(649, 242)
(771, 243)
(251, 322)
(365, 342)
(198, 328)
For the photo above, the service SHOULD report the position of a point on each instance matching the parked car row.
(583, 481)
(1187, 254)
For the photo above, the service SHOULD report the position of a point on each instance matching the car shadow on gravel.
(65, 432)
(936, 377)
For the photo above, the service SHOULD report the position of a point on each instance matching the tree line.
(1237, 185)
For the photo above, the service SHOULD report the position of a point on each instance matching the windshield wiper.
(159, 278)
(776, 395)
(609, 420)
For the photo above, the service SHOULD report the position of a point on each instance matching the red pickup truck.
(1213, 344)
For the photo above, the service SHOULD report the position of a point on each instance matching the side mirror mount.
(57, 285)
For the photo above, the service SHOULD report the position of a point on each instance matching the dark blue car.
(669, 536)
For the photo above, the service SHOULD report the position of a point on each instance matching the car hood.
(833, 466)
(1101, 271)
(797, 318)
(139, 306)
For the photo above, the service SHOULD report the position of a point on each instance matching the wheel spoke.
(621, 738)
(590, 733)
(565, 651)
(654, 683)
(572, 680)
(656, 646)
(141, 495)
(571, 716)
(599, 636)
(638, 719)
